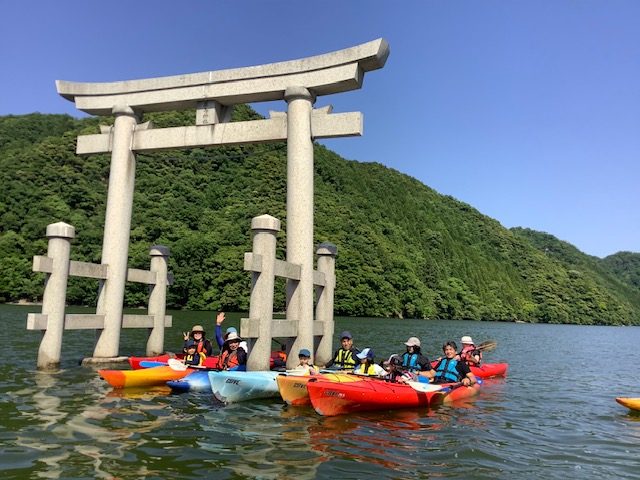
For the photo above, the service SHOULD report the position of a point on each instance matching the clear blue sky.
(527, 110)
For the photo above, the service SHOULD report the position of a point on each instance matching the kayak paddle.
(487, 346)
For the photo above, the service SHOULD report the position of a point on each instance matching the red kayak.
(487, 370)
(331, 398)
(209, 362)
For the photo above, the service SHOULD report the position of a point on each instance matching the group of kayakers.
(412, 364)
(233, 350)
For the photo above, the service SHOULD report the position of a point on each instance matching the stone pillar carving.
(265, 228)
(300, 215)
(326, 253)
(158, 299)
(117, 227)
(55, 293)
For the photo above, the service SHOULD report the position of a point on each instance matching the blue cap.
(346, 334)
(304, 353)
(191, 344)
(366, 353)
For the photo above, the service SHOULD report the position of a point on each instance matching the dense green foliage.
(403, 249)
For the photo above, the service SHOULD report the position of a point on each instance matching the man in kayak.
(413, 360)
(367, 364)
(450, 370)
(469, 353)
(197, 335)
(345, 356)
(232, 357)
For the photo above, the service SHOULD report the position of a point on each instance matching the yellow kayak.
(142, 378)
(632, 403)
(293, 388)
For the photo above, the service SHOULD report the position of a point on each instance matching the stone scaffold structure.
(213, 94)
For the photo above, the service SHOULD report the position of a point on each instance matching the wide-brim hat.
(413, 342)
(466, 339)
(198, 329)
(233, 337)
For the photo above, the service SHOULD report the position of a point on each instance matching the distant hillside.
(403, 249)
(626, 266)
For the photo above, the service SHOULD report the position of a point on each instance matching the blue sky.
(527, 110)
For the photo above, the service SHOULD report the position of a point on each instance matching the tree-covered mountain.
(403, 249)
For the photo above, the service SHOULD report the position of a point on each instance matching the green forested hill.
(403, 249)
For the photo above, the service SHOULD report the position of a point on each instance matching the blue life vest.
(410, 361)
(447, 371)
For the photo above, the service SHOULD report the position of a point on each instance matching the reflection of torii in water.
(213, 94)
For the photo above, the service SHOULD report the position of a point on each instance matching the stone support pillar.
(55, 293)
(326, 253)
(117, 227)
(264, 228)
(158, 299)
(300, 216)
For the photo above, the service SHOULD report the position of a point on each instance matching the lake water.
(553, 417)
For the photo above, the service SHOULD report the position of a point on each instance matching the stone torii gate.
(213, 94)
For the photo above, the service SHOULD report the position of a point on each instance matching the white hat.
(233, 336)
(466, 339)
(413, 342)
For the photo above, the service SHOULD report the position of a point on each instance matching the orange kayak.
(293, 388)
(142, 378)
(630, 403)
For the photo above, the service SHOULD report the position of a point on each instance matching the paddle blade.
(425, 387)
(487, 346)
(176, 364)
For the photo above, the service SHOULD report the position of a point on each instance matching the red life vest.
(228, 360)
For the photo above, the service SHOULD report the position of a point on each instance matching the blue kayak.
(197, 381)
(231, 387)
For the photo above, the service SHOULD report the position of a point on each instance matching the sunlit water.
(553, 417)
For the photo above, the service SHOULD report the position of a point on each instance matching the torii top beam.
(333, 72)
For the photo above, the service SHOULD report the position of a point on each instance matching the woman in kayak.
(367, 364)
(221, 338)
(469, 353)
(413, 360)
(345, 357)
(232, 357)
(197, 335)
(450, 370)
(193, 358)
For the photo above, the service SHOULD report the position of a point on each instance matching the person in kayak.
(345, 357)
(393, 369)
(367, 364)
(278, 358)
(232, 357)
(220, 338)
(450, 370)
(193, 358)
(413, 360)
(305, 365)
(469, 353)
(197, 335)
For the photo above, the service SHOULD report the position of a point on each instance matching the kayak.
(238, 386)
(631, 403)
(338, 398)
(486, 370)
(142, 378)
(197, 381)
(145, 362)
(293, 388)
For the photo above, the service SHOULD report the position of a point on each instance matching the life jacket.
(370, 370)
(228, 360)
(344, 358)
(470, 351)
(446, 371)
(410, 361)
(278, 359)
(195, 359)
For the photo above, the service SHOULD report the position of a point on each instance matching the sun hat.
(466, 339)
(346, 334)
(232, 337)
(196, 329)
(413, 342)
(304, 353)
(366, 353)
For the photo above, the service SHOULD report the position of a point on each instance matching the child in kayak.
(305, 364)
(393, 369)
(450, 370)
(469, 353)
(193, 358)
(367, 364)
(345, 357)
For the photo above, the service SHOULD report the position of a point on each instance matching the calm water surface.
(553, 417)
